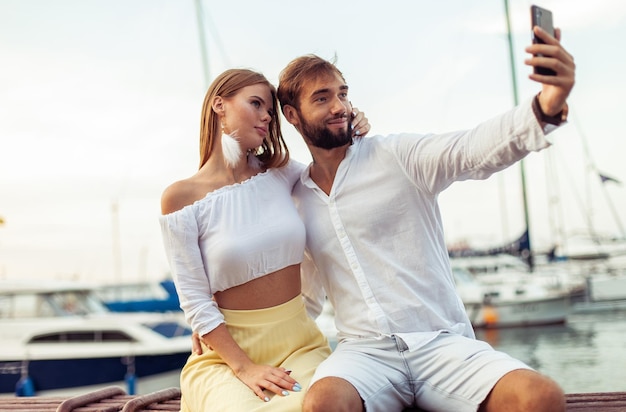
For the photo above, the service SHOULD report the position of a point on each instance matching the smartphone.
(543, 18)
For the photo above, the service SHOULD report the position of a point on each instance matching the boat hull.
(513, 314)
(66, 376)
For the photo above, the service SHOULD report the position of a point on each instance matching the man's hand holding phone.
(548, 53)
(543, 18)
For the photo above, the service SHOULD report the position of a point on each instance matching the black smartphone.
(543, 18)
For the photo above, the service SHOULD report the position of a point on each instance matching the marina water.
(587, 354)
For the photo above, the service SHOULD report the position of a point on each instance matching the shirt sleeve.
(312, 289)
(180, 238)
(434, 162)
(292, 171)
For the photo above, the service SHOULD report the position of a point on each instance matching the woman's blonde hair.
(273, 152)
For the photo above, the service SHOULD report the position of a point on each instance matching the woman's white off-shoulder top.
(231, 236)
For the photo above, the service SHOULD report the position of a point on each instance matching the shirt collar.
(305, 176)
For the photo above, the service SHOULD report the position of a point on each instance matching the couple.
(365, 231)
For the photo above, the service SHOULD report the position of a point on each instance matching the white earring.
(231, 149)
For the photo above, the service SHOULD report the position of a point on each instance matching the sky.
(100, 108)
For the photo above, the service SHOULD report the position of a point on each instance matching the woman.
(235, 242)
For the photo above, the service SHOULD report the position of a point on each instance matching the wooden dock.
(115, 399)
(109, 399)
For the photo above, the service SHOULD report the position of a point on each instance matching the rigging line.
(555, 215)
(614, 212)
(585, 212)
(217, 39)
(203, 46)
(201, 15)
(116, 240)
(594, 168)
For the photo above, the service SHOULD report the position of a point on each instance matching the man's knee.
(332, 394)
(528, 391)
(547, 395)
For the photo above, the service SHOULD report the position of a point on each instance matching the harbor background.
(587, 354)
(101, 109)
(100, 112)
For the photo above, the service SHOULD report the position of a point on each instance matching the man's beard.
(322, 137)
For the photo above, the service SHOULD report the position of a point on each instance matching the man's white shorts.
(449, 373)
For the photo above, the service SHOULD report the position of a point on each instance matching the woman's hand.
(196, 346)
(258, 377)
(264, 377)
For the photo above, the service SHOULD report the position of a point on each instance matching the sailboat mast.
(529, 258)
(202, 42)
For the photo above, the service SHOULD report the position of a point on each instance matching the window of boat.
(83, 336)
(24, 306)
(462, 276)
(126, 292)
(170, 329)
(68, 303)
(5, 306)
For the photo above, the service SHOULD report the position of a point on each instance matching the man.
(375, 243)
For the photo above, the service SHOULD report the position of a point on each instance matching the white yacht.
(59, 339)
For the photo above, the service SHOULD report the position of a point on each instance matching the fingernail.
(288, 371)
(266, 399)
(357, 133)
(353, 113)
(297, 387)
(285, 393)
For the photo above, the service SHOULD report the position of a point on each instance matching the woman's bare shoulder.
(182, 193)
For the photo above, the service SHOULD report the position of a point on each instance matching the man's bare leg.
(524, 390)
(332, 395)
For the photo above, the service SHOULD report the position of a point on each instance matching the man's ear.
(218, 105)
(291, 114)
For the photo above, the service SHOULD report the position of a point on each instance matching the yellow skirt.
(282, 335)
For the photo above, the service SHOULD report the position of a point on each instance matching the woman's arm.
(256, 377)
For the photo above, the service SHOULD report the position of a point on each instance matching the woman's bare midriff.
(267, 291)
